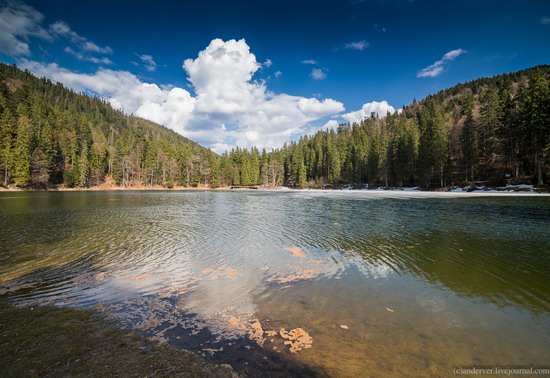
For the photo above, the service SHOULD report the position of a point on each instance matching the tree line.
(50, 135)
(490, 129)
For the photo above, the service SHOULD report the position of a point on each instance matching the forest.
(490, 130)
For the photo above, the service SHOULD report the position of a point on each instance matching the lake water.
(381, 283)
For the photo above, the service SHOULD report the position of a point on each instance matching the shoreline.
(406, 192)
(63, 341)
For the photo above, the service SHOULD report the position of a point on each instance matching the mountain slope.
(490, 129)
(50, 135)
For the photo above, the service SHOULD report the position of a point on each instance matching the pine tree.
(246, 171)
(333, 160)
(490, 121)
(264, 173)
(536, 121)
(6, 144)
(215, 167)
(83, 166)
(509, 133)
(469, 143)
(48, 146)
(382, 152)
(433, 144)
(21, 153)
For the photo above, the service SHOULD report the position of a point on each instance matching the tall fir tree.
(21, 152)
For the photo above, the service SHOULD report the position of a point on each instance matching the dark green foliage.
(483, 130)
(469, 144)
(535, 121)
(21, 153)
(51, 135)
(478, 131)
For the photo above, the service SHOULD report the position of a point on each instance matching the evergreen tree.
(6, 144)
(536, 121)
(21, 153)
(476, 130)
(264, 172)
(433, 144)
(490, 121)
(333, 160)
(48, 146)
(215, 166)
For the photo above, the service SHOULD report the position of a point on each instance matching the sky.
(259, 73)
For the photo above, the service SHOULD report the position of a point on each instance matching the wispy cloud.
(318, 74)
(278, 74)
(148, 62)
(62, 29)
(18, 22)
(352, 45)
(437, 68)
(309, 61)
(87, 58)
(357, 45)
(82, 48)
(545, 20)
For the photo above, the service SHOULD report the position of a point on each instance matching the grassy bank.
(50, 341)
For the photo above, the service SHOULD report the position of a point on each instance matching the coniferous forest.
(490, 129)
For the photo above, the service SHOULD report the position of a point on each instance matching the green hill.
(50, 135)
(491, 129)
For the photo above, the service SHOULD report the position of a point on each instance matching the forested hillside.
(50, 135)
(490, 129)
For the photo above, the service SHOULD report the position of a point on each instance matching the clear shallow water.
(423, 283)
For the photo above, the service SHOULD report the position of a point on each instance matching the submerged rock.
(256, 332)
(305, 274)
(297, 338)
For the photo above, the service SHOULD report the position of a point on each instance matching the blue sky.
(293, 67)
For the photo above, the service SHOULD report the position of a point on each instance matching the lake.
(363, 283)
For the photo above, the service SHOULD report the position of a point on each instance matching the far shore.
(111, 188)
(405, 191)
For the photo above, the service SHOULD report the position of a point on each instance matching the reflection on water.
(350, 281)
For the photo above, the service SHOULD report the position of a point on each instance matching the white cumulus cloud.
(18, 22)
(437, 68)
(228, 108)
(222, 78)
(381, 108)
(309, 61)
(169, 106)
(331, 124)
